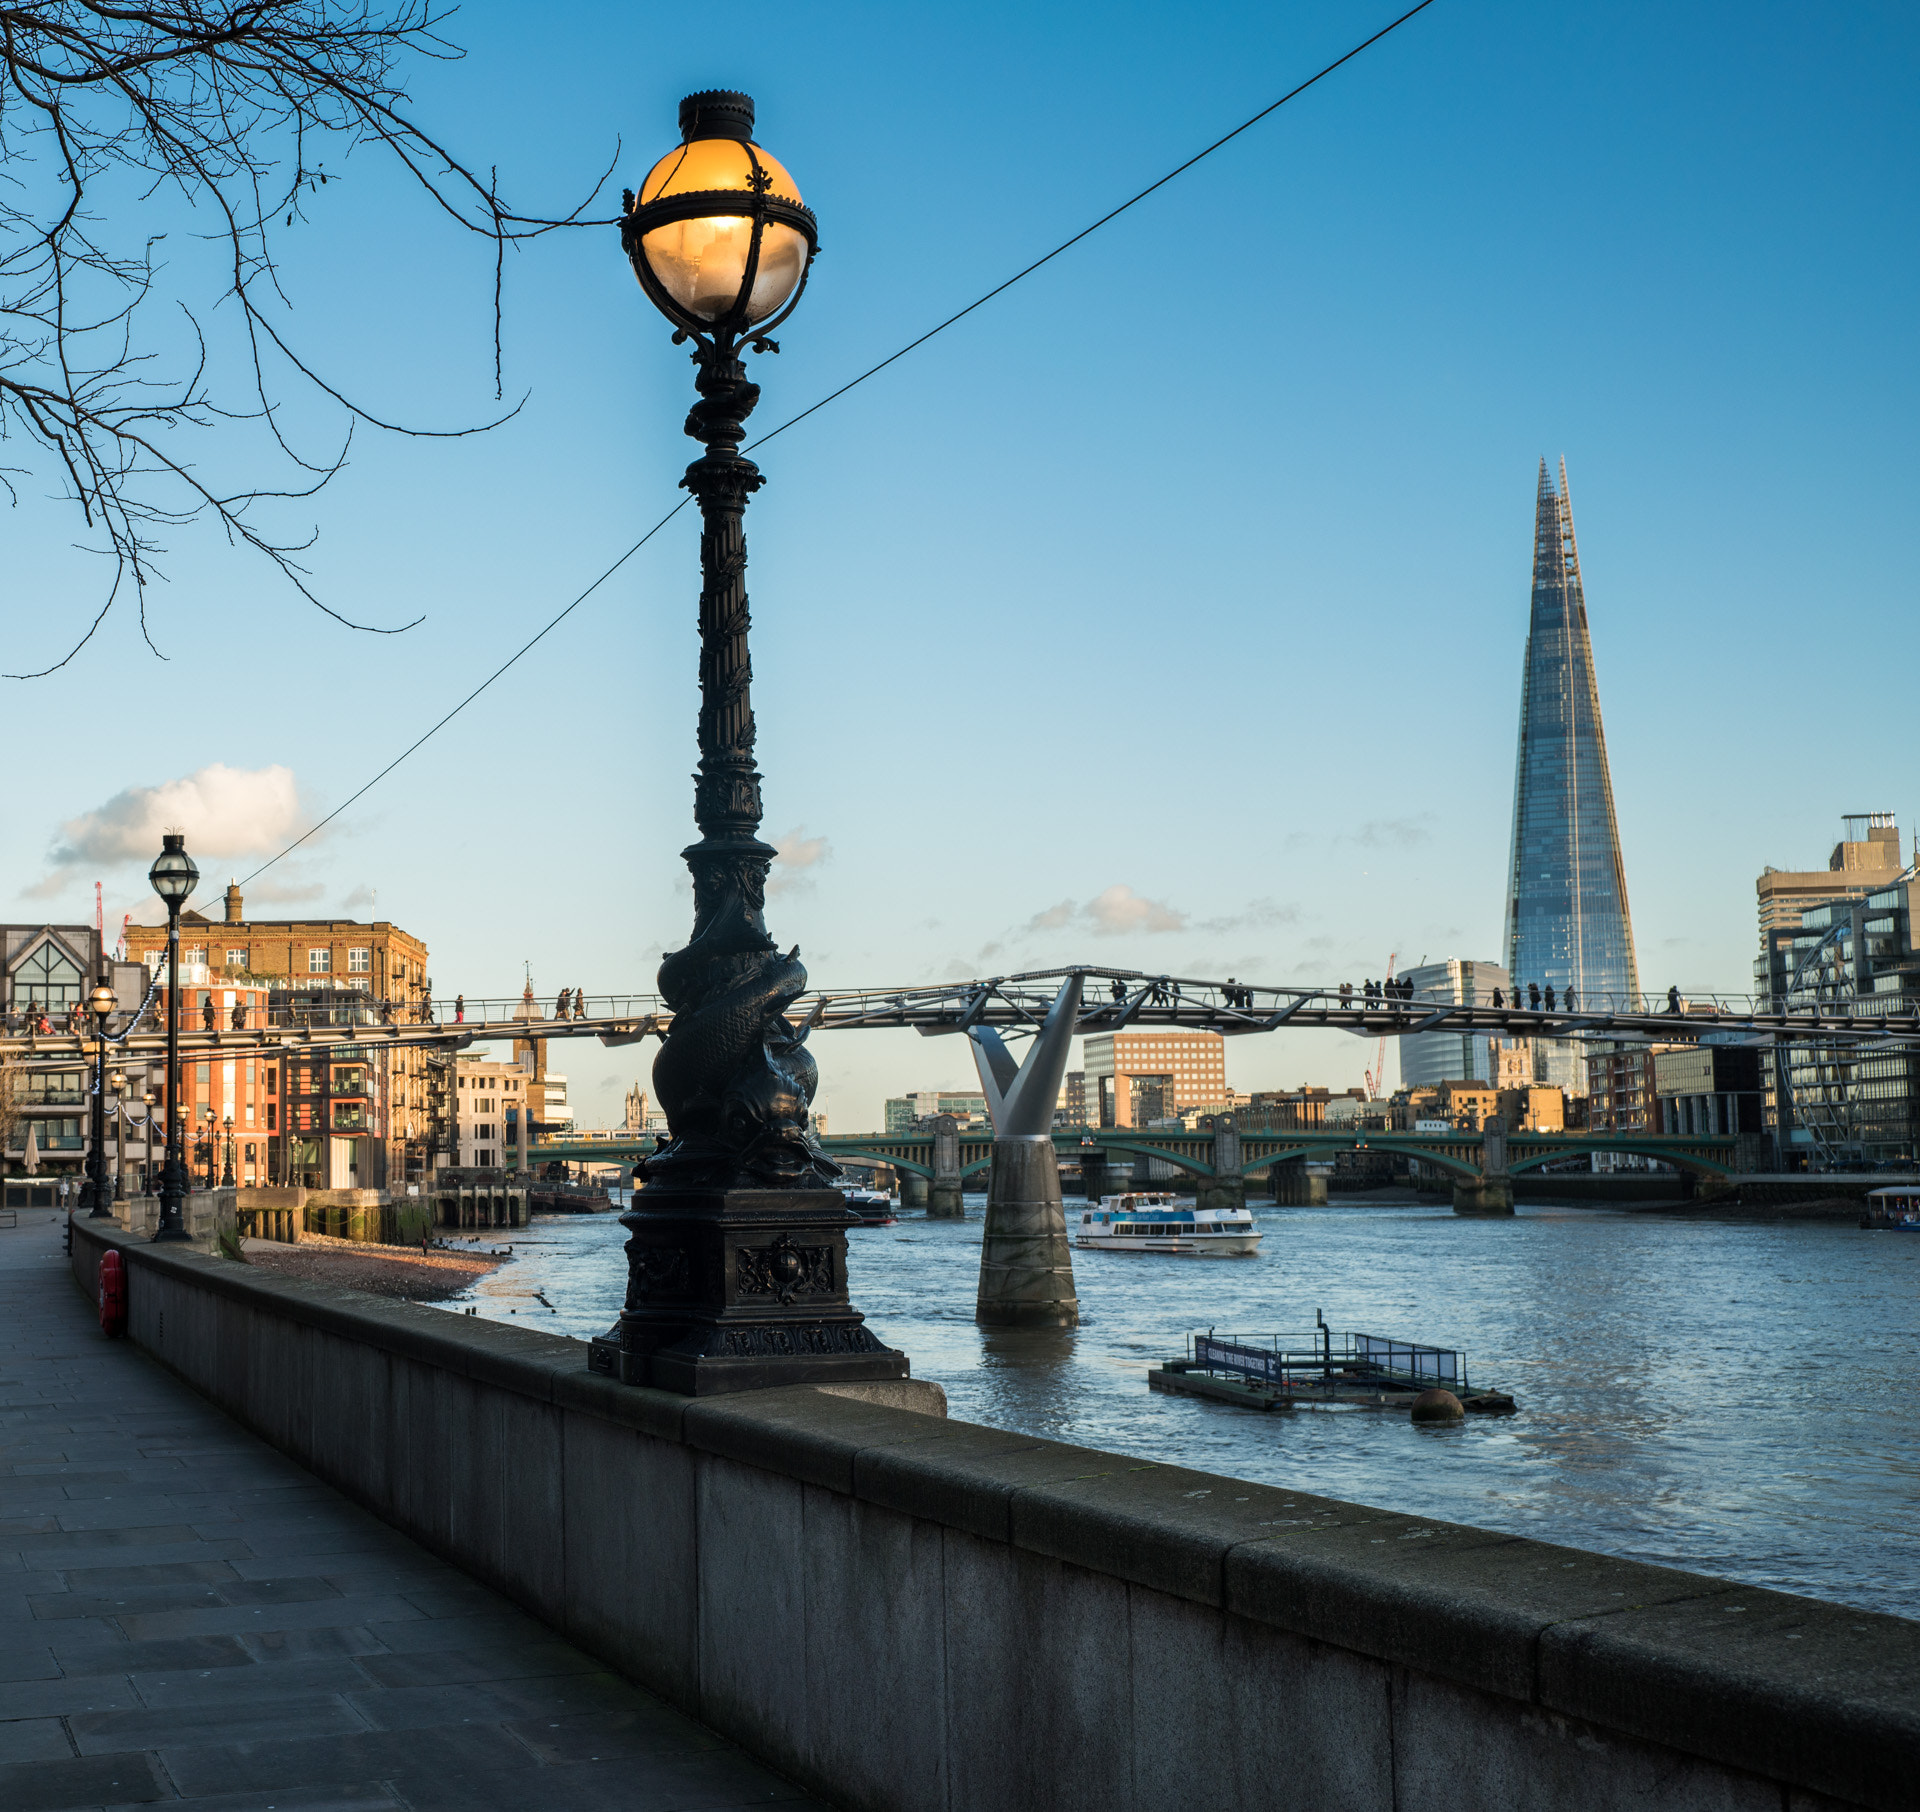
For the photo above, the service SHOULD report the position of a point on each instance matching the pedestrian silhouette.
(459, 1009)
(1497, 1001)
(207, 1013)
(1673, 1000)
(1533, 995)
(1549, 997)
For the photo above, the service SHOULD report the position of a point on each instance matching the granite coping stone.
(1816, 1693)
(800, 1430)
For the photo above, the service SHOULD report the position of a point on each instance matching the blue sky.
(1195, 567)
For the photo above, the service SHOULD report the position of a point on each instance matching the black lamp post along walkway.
(737, 1261)
(100, 1003)
(174, 878)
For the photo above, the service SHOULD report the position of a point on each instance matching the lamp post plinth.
(736, 1265)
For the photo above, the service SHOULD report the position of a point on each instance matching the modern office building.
(1567, 920)
(1135, 1078)
(1708, 1088)
(1866, 858)
(905, 1112)
(1838, 1100)
(1428, 1058)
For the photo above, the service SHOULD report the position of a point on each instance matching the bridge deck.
(1019, 1003)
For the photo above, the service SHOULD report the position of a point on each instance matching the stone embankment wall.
(910, 1614)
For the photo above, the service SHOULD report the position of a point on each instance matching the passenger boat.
(1157, 1223)
(874, 1207)
(1893, 1210)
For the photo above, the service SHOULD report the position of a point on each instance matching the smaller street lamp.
(226, 1176)
(174, 878)
(100, 1003)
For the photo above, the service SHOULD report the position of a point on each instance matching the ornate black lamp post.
(174, 878)
(737, 1264)
(100, 1003)
(226, 1172)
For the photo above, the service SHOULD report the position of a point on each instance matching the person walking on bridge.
(239, 1014)
(560, 1005)
(1673, 1000)
(579, 1004)
(207, 1015)
(1549, 997)
(1346, 994)
(1498, 1003)
(1533, 996)
(459, 1009)
(1568, 999)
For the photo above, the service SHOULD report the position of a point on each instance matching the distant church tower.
(1567, 915)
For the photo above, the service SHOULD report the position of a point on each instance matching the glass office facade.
(1567, 921)
(1847, 1101)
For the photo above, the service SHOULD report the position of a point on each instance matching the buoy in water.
(1438, 1406)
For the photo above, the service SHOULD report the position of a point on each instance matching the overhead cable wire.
(832, 396)
(475, 693)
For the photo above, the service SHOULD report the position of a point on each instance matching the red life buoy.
(113, 1294)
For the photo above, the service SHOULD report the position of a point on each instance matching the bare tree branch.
(107, 110)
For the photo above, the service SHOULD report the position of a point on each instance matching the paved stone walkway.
(187, 1615)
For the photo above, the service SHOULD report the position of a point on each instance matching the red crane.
(1377, 1076)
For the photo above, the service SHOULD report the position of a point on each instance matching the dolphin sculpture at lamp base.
(1026, 1265)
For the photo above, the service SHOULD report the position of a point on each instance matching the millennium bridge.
(1110, 1000)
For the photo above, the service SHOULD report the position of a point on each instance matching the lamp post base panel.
(740, 1289)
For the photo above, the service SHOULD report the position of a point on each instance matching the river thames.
(1735, 1398)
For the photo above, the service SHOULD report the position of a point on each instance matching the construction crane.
(1377, 1076)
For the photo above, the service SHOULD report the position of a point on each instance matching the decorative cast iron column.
(737, 1261)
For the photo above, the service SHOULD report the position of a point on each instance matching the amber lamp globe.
(718, 235)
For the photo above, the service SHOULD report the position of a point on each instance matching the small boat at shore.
(1139, 1222)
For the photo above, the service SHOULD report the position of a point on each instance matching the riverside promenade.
(186, 1614)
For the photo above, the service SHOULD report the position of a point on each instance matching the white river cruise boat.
(1156, 1223)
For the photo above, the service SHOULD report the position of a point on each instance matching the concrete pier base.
(1220, 1192)
(943, 1199)
(1486, 1195)
(913, 1190)
(1294, 1186)
(1026, 1265)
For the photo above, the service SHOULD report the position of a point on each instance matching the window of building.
(319, 962)
(48, 981)
(272, 1117)
(196, 955)
(236, 959)
(359, 962)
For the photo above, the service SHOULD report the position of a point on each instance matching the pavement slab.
(188, 1617)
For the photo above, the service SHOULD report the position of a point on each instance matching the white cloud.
(1119, 910)
(795, 853)
(1055, 918)
(224, 812)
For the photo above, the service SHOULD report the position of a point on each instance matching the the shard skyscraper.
(1567, 919)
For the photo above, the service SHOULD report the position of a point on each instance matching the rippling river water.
(1739, 1399)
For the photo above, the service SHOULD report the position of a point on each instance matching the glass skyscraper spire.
(1567, 917)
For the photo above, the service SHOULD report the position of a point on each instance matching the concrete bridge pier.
(913, 1189)
(1226, 1189)
(1026, 1265)
(1492, 1191)
(944, 1201)
(1294, 1187)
